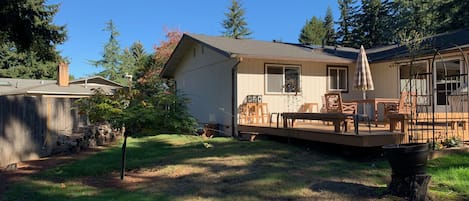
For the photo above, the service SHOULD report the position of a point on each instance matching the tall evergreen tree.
(414, 15)
(235, 24)
(26, 65)
(134, 59)
(373, 24)
(313, 32)
(347, 23)
(452, 15)
(28, 24)
(28, 39)
(111, 60)
(329, 27)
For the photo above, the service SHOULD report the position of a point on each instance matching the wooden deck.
(372, 136)
(319, 132)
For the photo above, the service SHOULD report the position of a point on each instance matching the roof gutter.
(246, 56)
(234, 95)
(57, 93)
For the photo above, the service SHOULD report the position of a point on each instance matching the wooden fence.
(30, 125)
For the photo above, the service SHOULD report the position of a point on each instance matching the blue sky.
(146, 20)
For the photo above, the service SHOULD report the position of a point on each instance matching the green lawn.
(180, 167)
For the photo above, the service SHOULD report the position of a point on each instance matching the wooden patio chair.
(407, 105)
(334, 104)
(244, 117)
(253, 113)
(308, 108)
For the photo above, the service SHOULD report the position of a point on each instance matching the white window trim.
(461, 69)
(429, 87)
(461, 64)
(329, 78)
(408, 63)
(283, 66)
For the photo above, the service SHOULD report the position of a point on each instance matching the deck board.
(319, 132)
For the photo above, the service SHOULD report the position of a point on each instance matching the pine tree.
(133, 59)
(452, 15)
(329, 27)
(28, 39)
(347, 23)
(414, 15)
(26, 65)
(235, 24)
(313, 32)
(111, 61)
(373, 24)
(28, 24)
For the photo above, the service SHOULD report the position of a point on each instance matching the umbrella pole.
(364, 103)
(367, 118)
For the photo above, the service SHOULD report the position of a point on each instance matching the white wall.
(251, 81)
(204, 76)
(385, 79)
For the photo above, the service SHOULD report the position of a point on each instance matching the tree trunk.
(411, 187)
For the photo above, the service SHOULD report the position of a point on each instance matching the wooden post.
(124, 145)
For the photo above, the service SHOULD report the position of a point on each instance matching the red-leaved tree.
(162, 53)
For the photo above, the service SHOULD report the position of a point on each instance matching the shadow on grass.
(351, 189)
(40, 190)
(182, 168)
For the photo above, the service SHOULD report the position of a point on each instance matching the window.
(417, 77)
(448, 78)
(338, 78)
(282, 78)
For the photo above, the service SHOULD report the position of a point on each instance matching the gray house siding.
(30, 126)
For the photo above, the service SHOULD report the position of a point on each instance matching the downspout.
(234, 95)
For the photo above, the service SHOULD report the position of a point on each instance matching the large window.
(338, 78)
(447, 79)
(417, 77)
(282, 78)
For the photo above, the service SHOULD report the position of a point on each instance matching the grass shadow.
(181, 167)
(351, 189)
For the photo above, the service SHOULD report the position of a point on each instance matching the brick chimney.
(62, 74)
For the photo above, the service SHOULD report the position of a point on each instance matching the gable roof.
(244, 48)
(263, 49)
(79, 87)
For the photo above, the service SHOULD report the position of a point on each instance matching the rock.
(11, 167)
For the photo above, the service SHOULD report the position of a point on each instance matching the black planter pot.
(407, 159)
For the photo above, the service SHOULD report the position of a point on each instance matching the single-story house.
(33, 113)
(219, 74)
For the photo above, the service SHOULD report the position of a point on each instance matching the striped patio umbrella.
(362, 79)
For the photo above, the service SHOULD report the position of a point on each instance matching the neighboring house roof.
(244, 48)
(80, 87)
